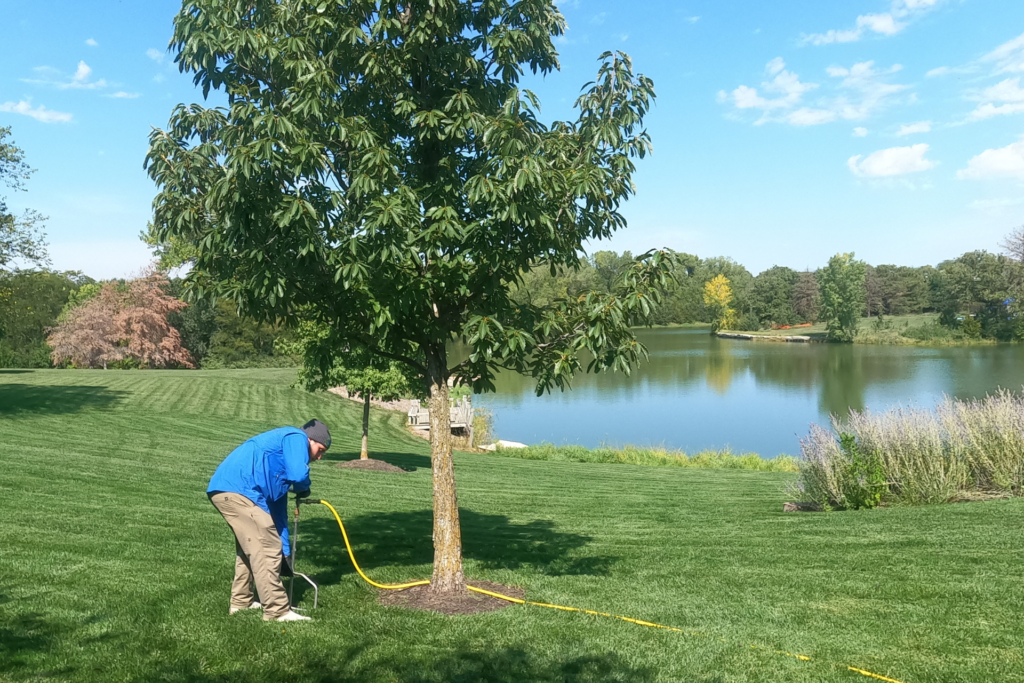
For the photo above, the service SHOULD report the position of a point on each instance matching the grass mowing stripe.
(115, 567)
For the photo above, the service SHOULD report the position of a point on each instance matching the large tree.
(806, 297)
(771, 296)
(841, 285)
(21, 237)
(718, 300)
(122, 323)
(378, 171)
(982, 285)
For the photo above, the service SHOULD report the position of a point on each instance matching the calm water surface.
(700, 392)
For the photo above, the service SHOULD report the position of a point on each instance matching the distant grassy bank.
(654, 457)
(902, 330)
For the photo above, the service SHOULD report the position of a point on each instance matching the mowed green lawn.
(115, 567)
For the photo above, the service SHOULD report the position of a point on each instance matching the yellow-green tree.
(717, 298)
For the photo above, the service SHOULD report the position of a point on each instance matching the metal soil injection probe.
(291, 562)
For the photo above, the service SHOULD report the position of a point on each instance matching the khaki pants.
(258, 554)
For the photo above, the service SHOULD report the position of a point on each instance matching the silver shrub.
(959, 449)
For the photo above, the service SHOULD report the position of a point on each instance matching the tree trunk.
(447, 576)
(364, 453)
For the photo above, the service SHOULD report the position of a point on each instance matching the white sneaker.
(293, 616)
(255, 605)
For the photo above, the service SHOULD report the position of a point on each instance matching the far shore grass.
(654, 457)
(920, 329)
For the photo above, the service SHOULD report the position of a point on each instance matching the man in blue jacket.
(250, 489)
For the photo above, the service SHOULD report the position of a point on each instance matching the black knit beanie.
(317, 431)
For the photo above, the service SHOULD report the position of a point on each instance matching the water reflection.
(698, 391)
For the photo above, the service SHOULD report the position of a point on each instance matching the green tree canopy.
(806, 297)
(841, 284)
(30, 303)
(364, 374)
(771, 296)
(378, 171)
(21, 237)
(979, 284)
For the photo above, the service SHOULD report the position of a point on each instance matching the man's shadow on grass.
(352, 663)
(404, 539)
(28, 638)
(21, 399)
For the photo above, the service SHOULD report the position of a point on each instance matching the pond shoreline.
(797, 339)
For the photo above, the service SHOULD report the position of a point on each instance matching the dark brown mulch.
(468, 602)
(371, 464)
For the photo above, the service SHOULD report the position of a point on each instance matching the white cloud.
(884, 23)
(866, 81)
(987, 111)
(596, 19)
(810, 117)
(1009, 57)
(154, 54)
(891, 162)
(785, 85)
(122, 95)
(912, 128)
(1003, 161)
(860, 132)
(1005, 97)
(91, 42)
(863, 80)
(833, 36)
(78, 81)
(1005, 91)
(693, 20)
(39, 113)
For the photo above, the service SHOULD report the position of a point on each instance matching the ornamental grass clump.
(959, 450)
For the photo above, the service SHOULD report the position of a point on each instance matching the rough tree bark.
(364, 453)
(447, 576)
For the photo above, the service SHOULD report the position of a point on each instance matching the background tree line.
(34, 304)
(975, 295)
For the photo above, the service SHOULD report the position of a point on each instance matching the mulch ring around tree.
(371, 464)
(467, 602)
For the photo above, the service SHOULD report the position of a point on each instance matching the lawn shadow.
(404, 539)
(23, 638)
(407, 461)
(357, 663)
(17, 399)
(14, 372)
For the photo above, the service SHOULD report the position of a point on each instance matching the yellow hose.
(564, 608)
(351, 556)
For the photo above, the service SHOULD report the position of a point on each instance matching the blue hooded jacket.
(263, 468)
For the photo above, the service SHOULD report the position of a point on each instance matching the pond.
(698, 391)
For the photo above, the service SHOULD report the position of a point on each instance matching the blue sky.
(784, 132)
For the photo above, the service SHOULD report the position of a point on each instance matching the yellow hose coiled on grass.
(564, 608)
